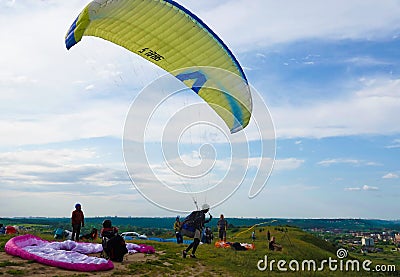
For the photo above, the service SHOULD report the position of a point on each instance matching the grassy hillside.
(297, 246)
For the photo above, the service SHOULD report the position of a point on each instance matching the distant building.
(367, 242)
(397, 238)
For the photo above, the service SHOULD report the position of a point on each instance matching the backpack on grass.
(115, 248)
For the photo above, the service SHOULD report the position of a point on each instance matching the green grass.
(8, 263)
(16, 272)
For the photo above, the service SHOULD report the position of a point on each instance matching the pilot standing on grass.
(197, 219)
(222, 226)
(177, 228)
(77, 221)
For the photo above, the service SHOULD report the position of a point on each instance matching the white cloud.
(59, 170)
(390, 176)
(378, 103)
(298, 187)
(352, 189)
(366, 61)
(395, 144)
(16, 80)
(261, 22)
(8, 3)
(365, 188)
(89, 87)
(353, 162)
(287, 164)
(97, 119)
(60, 204)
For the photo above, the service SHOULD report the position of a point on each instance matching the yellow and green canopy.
(168, 35)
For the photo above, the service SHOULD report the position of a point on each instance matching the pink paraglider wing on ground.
(69, 255)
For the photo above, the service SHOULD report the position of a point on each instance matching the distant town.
(362, 241)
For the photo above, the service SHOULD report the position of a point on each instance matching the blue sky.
(327, 71)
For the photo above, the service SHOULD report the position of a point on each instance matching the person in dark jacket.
(196, 220)
(272, 245)
(222, 226)
(108, 230)
(77, 221)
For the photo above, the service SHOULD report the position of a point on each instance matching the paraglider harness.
(191, 223)
(114, 247)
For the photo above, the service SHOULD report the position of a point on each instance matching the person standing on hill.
(77, 221)
(222, 226)
(177, 228)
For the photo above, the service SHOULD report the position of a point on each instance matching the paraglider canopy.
(168, 35)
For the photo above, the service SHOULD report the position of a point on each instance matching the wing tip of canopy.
(78, 27)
